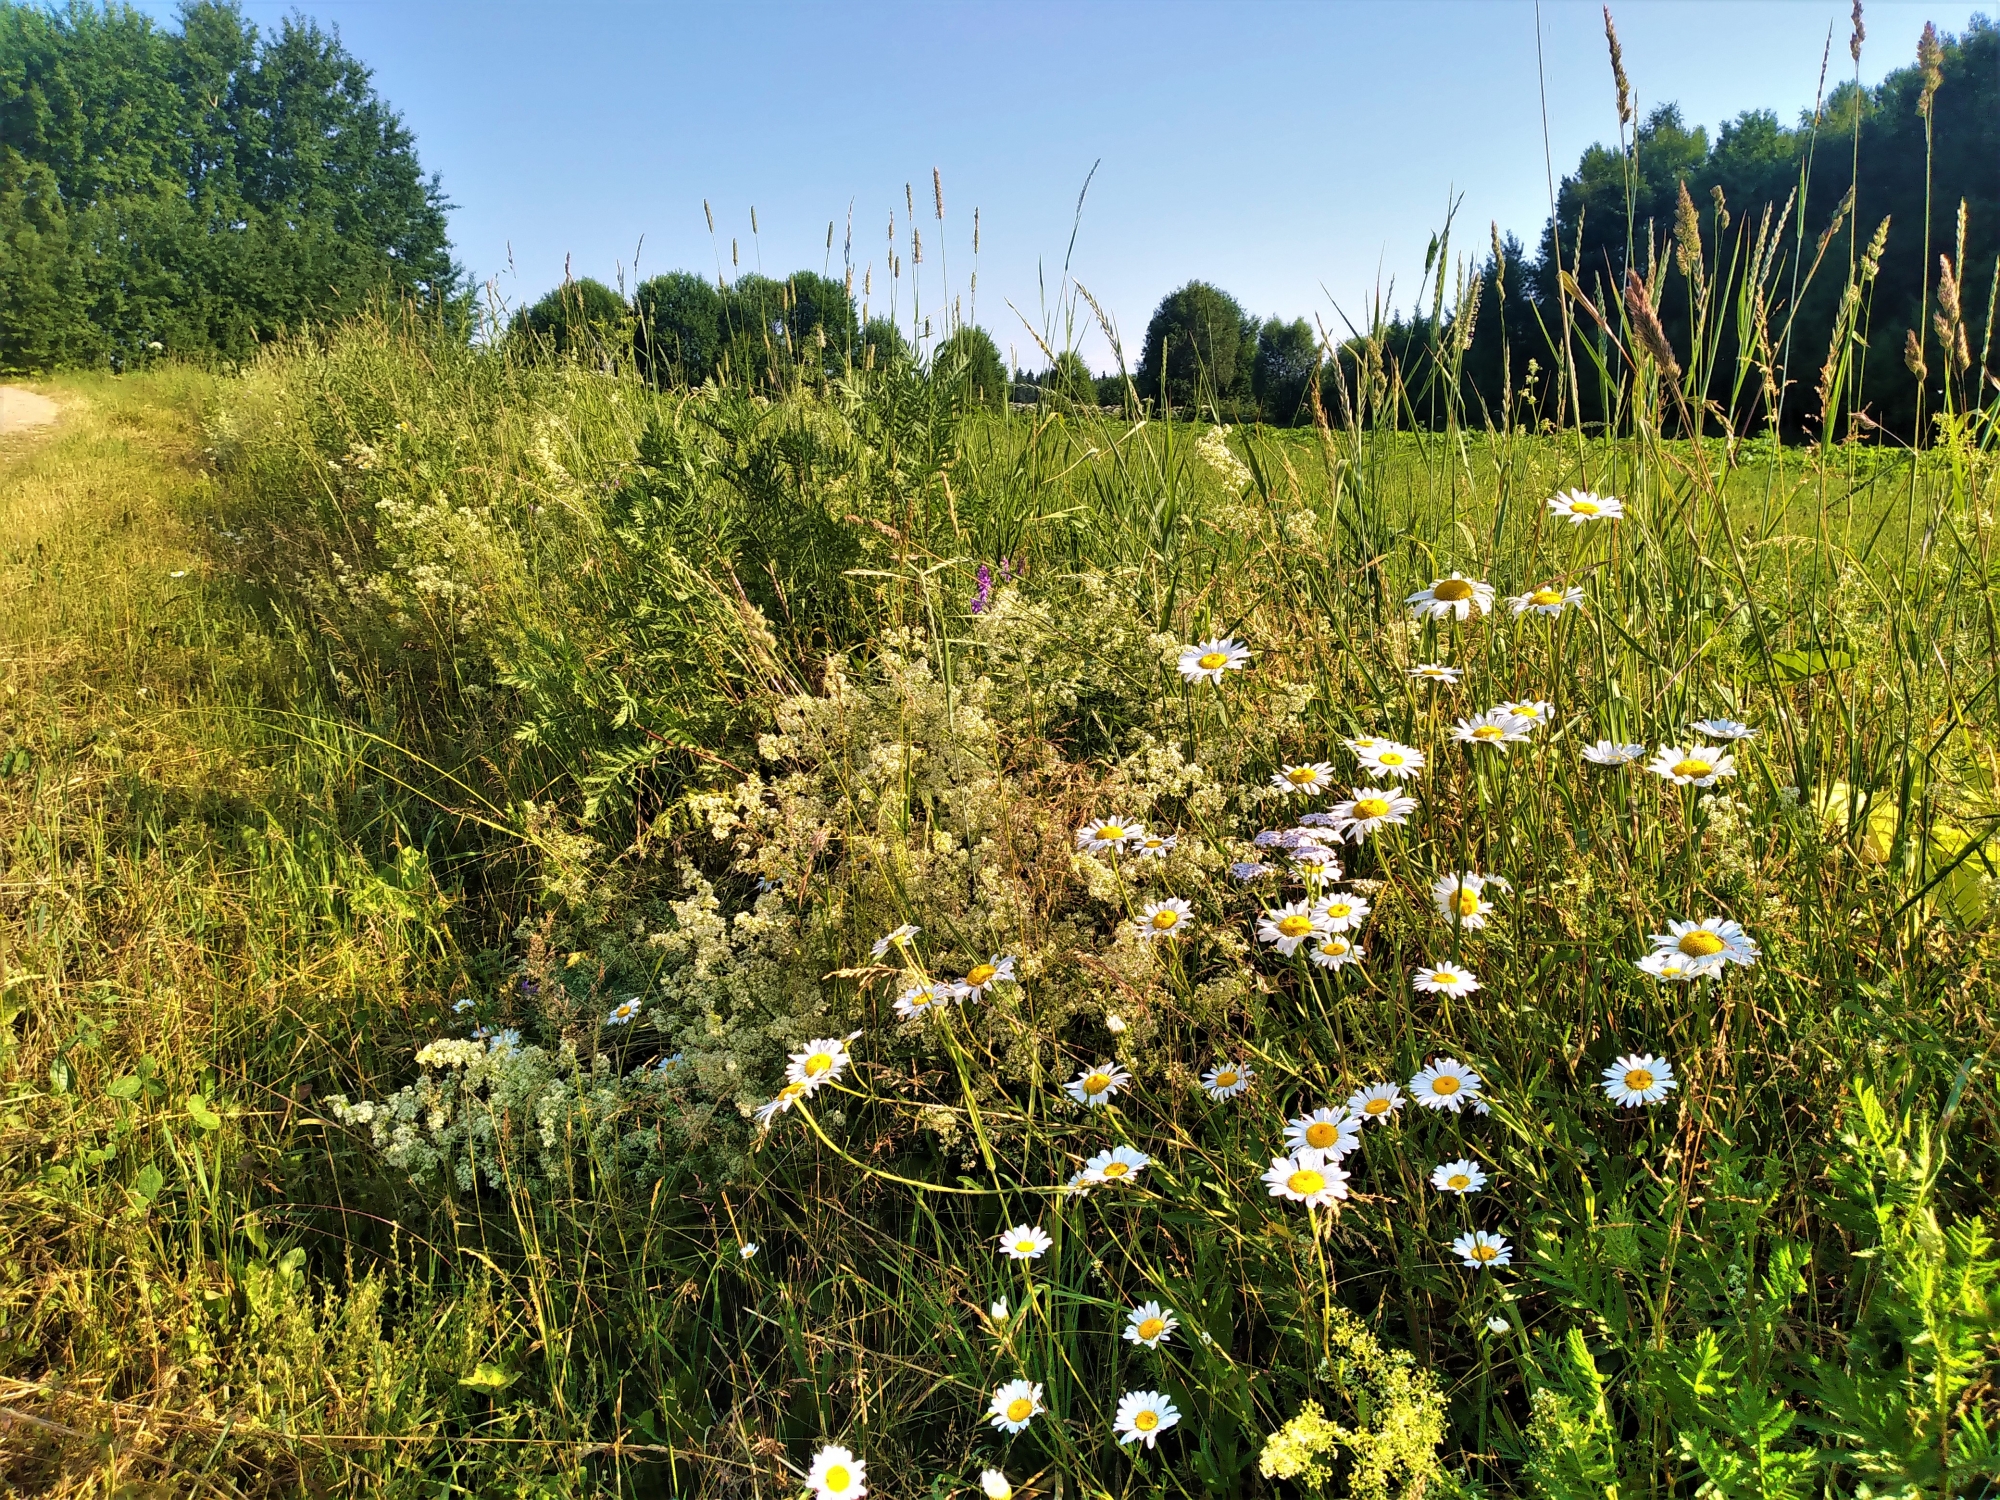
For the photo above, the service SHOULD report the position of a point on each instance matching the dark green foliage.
(197, 190)
(581, 320)
(1070, 378)
(1200, 347)
(970, 361)
(800, 328)
(1287, 356)
(679, 330)
(882, 343)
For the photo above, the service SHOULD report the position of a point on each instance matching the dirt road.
(20, 410)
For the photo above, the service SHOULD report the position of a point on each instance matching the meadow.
(562, 938)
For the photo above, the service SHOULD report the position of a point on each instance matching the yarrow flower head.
(1612, 753)
(982, 977)
(1025, 1242)
(1707, 946)
(1462, 1176)
(1206, 661)
(1308, 779)
(1454, 596)
(1150, 1324)
(1100, 835)
(1168, 918)
(1431, 671)
(1118, 1165)
(1334, 951)
(1247, 870)
(1724, 729)
(1445, 979)
(1446, 1084)
(1143, 1415)
(1546, 599)
(1332, 1132)
(1388, 758)
(1694, 765)
(1226, 1080)
(1493, 728)
(1579, 506)
(1288, 926)
(1308, 1177)
(1483, 1251)
(1015, 1405)
(1640, 1078)
(1095, 1086)
(899, 939)
(1461, 899)
(836, 1474)
(1371, 808)
(821, 1061)
(1377, 1102)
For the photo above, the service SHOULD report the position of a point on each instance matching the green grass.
(530, 689)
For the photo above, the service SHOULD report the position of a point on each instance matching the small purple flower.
(1250, 869)
(984, 595)
(1319, 820)
(1006, 570)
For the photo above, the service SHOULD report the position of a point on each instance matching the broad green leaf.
(490, 1378)
(147, 1185)
(202, 1114)
(126, 1087)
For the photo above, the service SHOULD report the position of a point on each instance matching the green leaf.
(126, 1087)
(489, 1378)
(147, 1185)
(1793, 666)
(199, 1111)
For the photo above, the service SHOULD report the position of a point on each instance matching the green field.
(439, 791)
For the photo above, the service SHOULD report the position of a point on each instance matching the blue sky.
(1297, 155)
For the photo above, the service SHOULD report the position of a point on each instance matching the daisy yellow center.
(1334, 946)
(1445, 1085)
(1112, 831)
(1451, 590)
(1468, 904)
(1701, 943)
(837, 1478)
(1545, 596)
(1338, 909)
(1485, 1252)
(1146, 1421)
(1020, 1409)
(1445, 977)
(1692, 767)
(817, 1064)
(791, 1091)
(1226, 1079)
(1392, 758)
(1302, 776)
(1024, 1247)
(1371, 807)
(919, 999)
(1489, 732)
(1320, 1135)
(1115, 1169)
(1639, 1080)
(1097, 1083)
(1377, 1106)
(1295, 926)
(1585, 507)
(1305, 1182)
(1152, 1328)
(1209, 661)
(981, 973)
(1165, 919)
(1458, 1182)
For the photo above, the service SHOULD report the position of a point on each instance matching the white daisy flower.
(748, 1250)
(1015, 1405)
(1342, 912)
(1377, 1102)
(836, 1474)
(1156, 845)
(1095, 1086)
(922, 999)
(1143, 1416)
(1206, 661)
(1150, 1324)
(1548, 599)
(786, 1097)
(1371, 808)
(1332, 1132)
(1639, 1079)
(1446, 1084)
(1166, 918)
(1308, 779)
(1388, 758)
(1289, 925)
(1226, 1080)
(998, 1311)
(1493, 728)
(1724, 729)
(1315, 863)
(624, 1012)
(1481, 1250)
(982, 977)
(1118, 1165)
(1579, 506)
(1669, 964)
(1431, 671)
(1456, 595)
(823, 1060)
(1497, 1324)
(1612, 753)
(994, 1485)
(1461, 1176)
(1113, 1022)
(899, 939)
(1536, 712)
(1445, 979)
(1696, 765)
(1708, 944)
(1334, 951)
(1101, 834)
(1308, 1177)
(1461, 899)
(1025, 1242)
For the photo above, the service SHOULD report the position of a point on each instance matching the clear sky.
(1295, 154)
